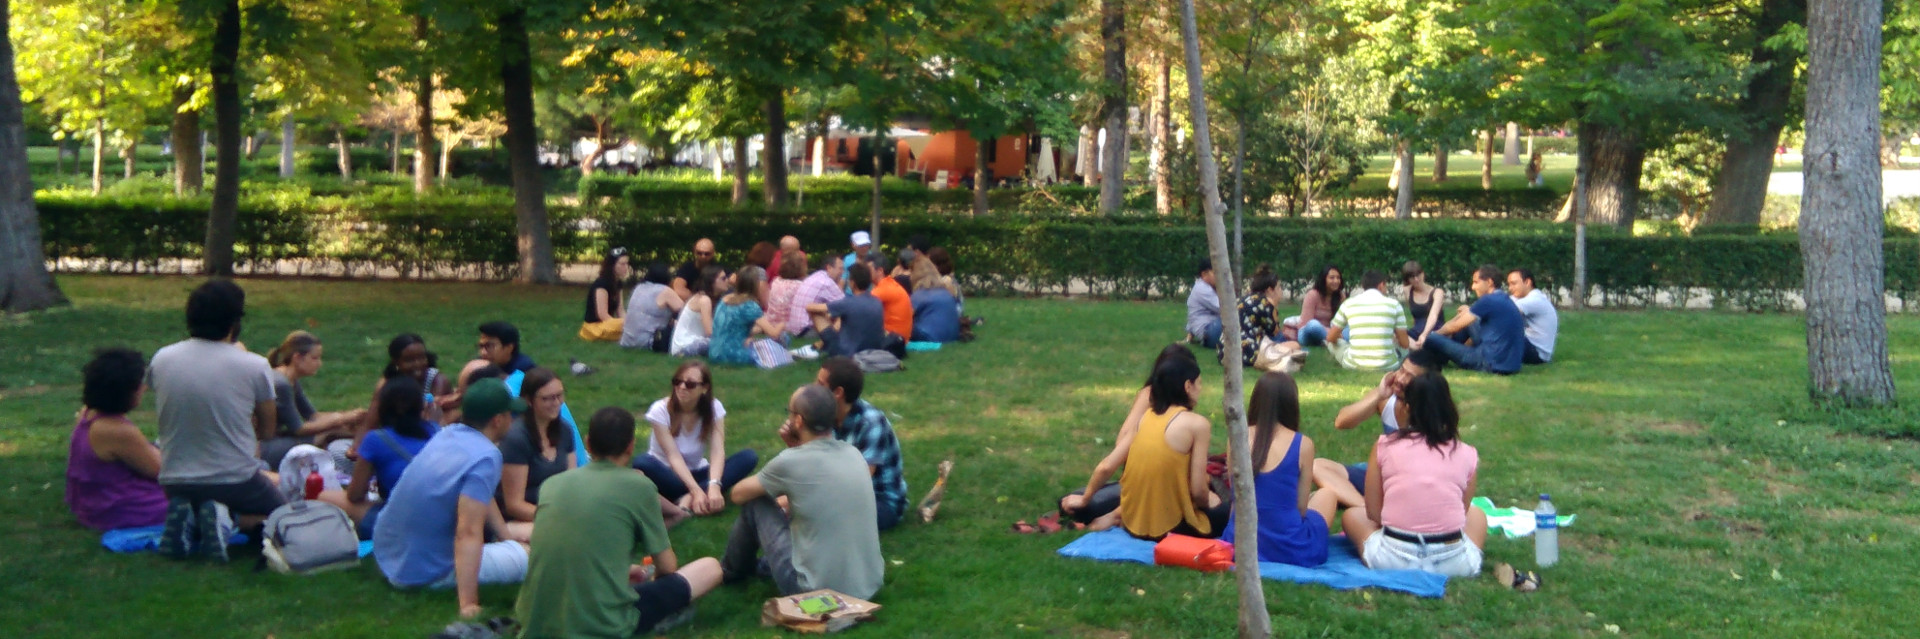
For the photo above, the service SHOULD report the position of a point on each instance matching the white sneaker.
(806, 352)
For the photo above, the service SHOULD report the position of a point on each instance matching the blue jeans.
(1210, 336)
(737, 467)
(1313, 333)
(1462, 355)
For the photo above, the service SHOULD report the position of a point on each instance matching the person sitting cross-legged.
(1203, 308)
(807, 518)
(1419, 491)
(1099, 497)
(815, 292)
(386, 452)
(432, 532)
(870, 432)
(603, 320)
(1165, 486)
(581, 577)
(1369, 332)
(650, 311)
(1345, 481)
(1293, 517)
(854, 323)
(686, 456)
(110, 465)
(1493, 325)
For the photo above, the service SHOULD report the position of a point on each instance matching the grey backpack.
(307, 537)
(877, 361)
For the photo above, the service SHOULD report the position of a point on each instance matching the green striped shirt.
(1367, 322)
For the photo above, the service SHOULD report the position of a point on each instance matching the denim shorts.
(1457, 559)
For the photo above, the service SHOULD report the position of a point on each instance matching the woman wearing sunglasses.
(689, 442)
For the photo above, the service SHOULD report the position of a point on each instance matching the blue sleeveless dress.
(1286, 535)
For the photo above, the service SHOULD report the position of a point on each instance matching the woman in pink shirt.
(1420, 481)
(793, 268)
(1317, 308)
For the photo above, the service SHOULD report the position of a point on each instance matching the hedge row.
(1129, 257)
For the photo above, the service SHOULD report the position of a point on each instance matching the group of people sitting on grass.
(1371, 330)
(843, 306)
(1406, 507)
(485, 478)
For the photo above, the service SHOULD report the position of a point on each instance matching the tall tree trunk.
(1161, 128)
(740, 170)
(128, 155)
(446, 155)
(1246, 553)
(591, 163)
(1486, 163)
(1512, 155)
(1616, 157)
(217, 256)
(1582, 175)
(1439, 163)
(773, 170)
(185, 131)
(286, 147)
(1239, 188)
(1113, 109)
(1841, 220)
(25, 284)
(99, 154)
(423, 159)
(395, 148)
(345, 157)
(1399, 163)
(980, 149)
(535, 242)
(878, 142)
(1403, 192)
(1741, 192)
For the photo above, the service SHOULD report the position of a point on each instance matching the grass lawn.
(1711, 501)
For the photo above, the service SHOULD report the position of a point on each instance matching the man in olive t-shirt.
(581, 580)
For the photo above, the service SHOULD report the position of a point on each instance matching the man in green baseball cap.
(432, 533)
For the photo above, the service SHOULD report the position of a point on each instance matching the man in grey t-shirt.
(809, 511)
(215, 404)
(1543, 323)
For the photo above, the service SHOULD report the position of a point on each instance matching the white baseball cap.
(860, 238)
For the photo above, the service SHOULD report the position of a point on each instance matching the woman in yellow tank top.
(1164, 486)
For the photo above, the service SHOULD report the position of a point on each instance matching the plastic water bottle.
(1546, 533)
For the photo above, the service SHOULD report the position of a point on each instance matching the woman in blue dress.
(738, 320)
(1293, 518)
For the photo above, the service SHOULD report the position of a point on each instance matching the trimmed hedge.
(1129, 256)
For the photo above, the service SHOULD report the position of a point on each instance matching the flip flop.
(1049, 523)
(1518, 580)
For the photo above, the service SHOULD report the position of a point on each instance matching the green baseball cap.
(486, 399)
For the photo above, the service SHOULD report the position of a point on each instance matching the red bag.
(1204, 555)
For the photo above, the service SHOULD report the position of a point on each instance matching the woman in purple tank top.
(110, 465)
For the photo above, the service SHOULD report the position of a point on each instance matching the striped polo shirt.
(1367, 322)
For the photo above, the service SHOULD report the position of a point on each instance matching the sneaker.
(176, 541)
(206, 519)
(806, 352)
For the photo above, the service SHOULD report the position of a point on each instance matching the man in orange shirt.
(895, 303)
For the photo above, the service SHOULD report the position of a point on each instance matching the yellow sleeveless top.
(1153, 488)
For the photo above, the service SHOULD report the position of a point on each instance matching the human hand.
(636, 574)
(685, 502)
(715, 501)
(782, 500)
(1073, 503)
(787, 434)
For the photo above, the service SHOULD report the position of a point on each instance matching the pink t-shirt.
(1425, 489)
(780, 299)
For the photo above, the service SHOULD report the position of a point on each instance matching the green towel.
(1513, 522)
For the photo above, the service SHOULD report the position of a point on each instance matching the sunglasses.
(688, 384)
(618, 251)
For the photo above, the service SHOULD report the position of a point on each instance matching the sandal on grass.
(1049, 523)
(1518, 580)
(1023, 528)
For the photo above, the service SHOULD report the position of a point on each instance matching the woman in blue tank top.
(1293, 521)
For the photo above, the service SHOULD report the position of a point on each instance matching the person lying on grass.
(1293, 517)
(687, 454)
(581, 578)
(1420, 485)
(1346, 480)
(385, 453)
(1100, 497)
(1165, 487)
(807, 518)
(296, 358)
(433, 531)
(539, 446)
(111, 467)
(870, 432)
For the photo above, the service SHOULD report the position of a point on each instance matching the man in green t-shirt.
(581, 581)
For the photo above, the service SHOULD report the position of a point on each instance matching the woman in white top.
(689, 440)
(695, 327)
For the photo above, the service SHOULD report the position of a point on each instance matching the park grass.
(1712, 500)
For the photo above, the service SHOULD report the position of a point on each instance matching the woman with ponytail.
(296, 358)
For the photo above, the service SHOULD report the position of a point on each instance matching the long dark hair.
(399, 345)
(708, 276)
(1332, 297)
(1262, 280)
(1275, 405)
(537, 378)
(1169, 383)
(401, 401)
(608, 263)
(1431, 414)
(1175, 350)
(1408, 271)
(702, 406)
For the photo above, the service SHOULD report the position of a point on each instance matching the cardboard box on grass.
(786, 612)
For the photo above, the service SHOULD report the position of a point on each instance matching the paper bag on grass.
(833, 612)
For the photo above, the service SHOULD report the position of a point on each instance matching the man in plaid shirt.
(822, 287)
(868, 430)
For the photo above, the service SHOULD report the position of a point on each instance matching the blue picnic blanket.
(1343, 570)
(146, 539)
(919, 347)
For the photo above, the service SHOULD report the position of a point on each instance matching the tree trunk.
(423, 159)
(345, 157)
(128, 155)
(773, 170)
(286, 147)
(980, 148)
(1486, 163)
(185, 132)
(1439, 163)
(740, 171)
(1399, 163)
(395, 169)
(446, 155)
(1403, 196)
(1512, 156)
(99, 155)
(1841, 221)
(1113, 109)
(1161, 128)
(217, 256)
(878, 175)
(1239, 190)
(1741, 192)
(1246, 553)
(1582, 174)
(535, 243)
(25, 284)
(1615, 157)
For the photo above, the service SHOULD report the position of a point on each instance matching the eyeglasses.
(550, 397)
(688, 384)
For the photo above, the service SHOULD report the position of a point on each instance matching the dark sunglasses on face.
(688, 384)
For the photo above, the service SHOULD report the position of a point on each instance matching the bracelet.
(713, 482)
